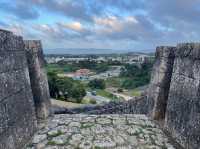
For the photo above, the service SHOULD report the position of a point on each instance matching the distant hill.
(74, 51)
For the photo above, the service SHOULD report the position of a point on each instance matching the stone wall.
(39, 82)
(174, 92)
(135, 106)
(17, 113)
(160, 82)
(183, 107)
(24, 94)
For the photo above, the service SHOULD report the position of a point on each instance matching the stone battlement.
(19, 100)
(173, 98)
(174, 92)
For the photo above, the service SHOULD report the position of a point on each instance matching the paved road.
(98, 98)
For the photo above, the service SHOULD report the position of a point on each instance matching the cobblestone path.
(100, 132)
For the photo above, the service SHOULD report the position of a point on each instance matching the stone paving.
(100, 132)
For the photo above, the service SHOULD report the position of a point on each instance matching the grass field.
(135, 92)
(60, 68)
(65, 104)
(107, 94)
(114, 82)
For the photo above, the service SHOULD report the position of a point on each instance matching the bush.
(97, 84)
(78, 92)
(53, 87)
(120, 90)
(65, 88)
(136, 75)
(92, 101)
(88, 101)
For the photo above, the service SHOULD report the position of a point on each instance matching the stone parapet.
(135, 106)
(38, 77)
(183, 106)
(160, 82)
(17, 112)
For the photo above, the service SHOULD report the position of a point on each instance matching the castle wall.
(134, 106)
(38, 77)
(17, 113)
(174, 92)
(183, 107)
(160, 82)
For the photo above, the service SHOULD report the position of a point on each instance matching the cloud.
(75, 26)
(125, 28)
(19, 9)
(178, 20)
(47, 31)
(170, 13)
(62, 31)
(140, 23)
(111, 27)
(68, 8)
(101, 7)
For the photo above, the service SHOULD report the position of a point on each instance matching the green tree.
(78, 92)
(97, 84)
(53, 88)
(65, 88)
(135, 75)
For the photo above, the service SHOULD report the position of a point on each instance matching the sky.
(103, 24)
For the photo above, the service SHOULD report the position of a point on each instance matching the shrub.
(65, 88)
(120, 90)
(97, 84)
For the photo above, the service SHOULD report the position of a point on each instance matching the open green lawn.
(60, 68)
(54, 68)
(87, 100)
(135, 92)
(65, 104)
(107, 94)
(114, 82)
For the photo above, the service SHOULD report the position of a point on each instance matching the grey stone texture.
(124, 131)
(137, 105)
(174, 95)
(17, 112)
(183, 107)
(38, 77)
(160, 82)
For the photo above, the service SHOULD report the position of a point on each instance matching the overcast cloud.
(116, 24)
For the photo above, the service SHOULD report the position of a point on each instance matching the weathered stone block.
(10, 42)
(12, 60)
(17, 113)
(189, 50)
(38, 77)
(183, 107)
(13, 82)
(160, 82)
